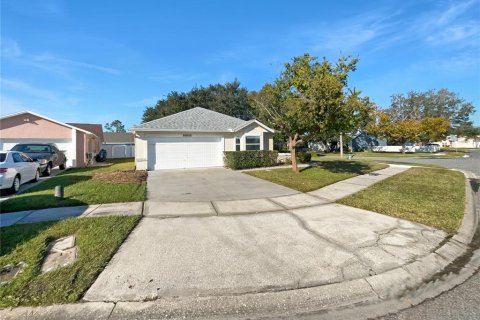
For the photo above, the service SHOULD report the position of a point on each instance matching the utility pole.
(341, 145)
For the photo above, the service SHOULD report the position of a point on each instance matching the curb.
(373, 296)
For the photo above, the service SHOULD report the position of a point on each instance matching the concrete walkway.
(51, 214)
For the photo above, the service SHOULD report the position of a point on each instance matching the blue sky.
(97, 61)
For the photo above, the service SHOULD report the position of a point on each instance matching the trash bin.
(101, 156)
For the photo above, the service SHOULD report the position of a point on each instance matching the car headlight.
(42, 161)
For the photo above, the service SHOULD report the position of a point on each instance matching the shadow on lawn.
(30, 199)
(16, 235)
(341, 166)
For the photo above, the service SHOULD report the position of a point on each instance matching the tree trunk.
(292, 144)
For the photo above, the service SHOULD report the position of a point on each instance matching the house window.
(252, 143)
(237, 143)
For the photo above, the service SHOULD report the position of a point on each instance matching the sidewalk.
(51, 214)
(324, 195)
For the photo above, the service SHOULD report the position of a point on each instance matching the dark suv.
(46, 154)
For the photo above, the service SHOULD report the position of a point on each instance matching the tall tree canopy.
(311, 100)
(432, 104)
(229, 98)
(115, 126)
(401, 131)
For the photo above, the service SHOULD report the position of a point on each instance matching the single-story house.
(196, 138)
(462, 142)
(363, 141)
(119, 144)
(76, 141)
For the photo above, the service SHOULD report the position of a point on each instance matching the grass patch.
(80, 189)
(318, 176)
(438, 155)
(97, 239)
(431, 196)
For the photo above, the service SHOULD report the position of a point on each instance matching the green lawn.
(97, 239)
(430, 196)
(442, 154)
(312, 178)
(80, 189)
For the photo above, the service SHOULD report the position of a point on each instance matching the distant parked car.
(47, 155)
(17, 168)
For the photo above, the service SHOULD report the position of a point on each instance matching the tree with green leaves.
(311, 99)
(115, 126)
(401, 131)
(229, 98)
(432, 104)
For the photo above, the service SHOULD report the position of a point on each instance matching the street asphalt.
(463, 302)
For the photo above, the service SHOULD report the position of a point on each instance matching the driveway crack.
(304, 225)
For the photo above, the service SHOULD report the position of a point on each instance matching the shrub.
(250, 159)
(304, 157)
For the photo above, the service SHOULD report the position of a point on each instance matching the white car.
(17, 168)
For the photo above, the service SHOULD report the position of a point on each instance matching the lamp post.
(341, 145)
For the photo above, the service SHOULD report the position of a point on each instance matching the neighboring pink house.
(77, 141)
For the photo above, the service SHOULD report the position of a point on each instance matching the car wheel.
(16, 185)
(48, 170)
(62, 166)
(37, 176)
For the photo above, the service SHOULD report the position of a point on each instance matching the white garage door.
(185, 152)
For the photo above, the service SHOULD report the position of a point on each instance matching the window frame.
(238, 144)
(247, 144)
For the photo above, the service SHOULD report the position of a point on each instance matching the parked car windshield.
(31, 148)
(3, 156)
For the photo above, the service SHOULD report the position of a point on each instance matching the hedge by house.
(250, 159)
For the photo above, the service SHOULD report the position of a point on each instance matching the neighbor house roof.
(196, 119)
(118, 137)
(94, 128)
(46, 118)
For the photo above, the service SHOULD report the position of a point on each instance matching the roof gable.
(46, 118)
(196, 119)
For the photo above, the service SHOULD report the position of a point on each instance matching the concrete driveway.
(254, 245)
(217, 255)
(209, 185)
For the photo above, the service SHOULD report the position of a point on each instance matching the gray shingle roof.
(196, 119)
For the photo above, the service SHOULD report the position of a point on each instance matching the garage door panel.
(185, 152)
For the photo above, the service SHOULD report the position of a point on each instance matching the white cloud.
(46, 61)
(454, 11)
(456, 33)
(10, 48)
(28, 90)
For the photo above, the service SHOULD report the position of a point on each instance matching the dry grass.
(122, 176)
